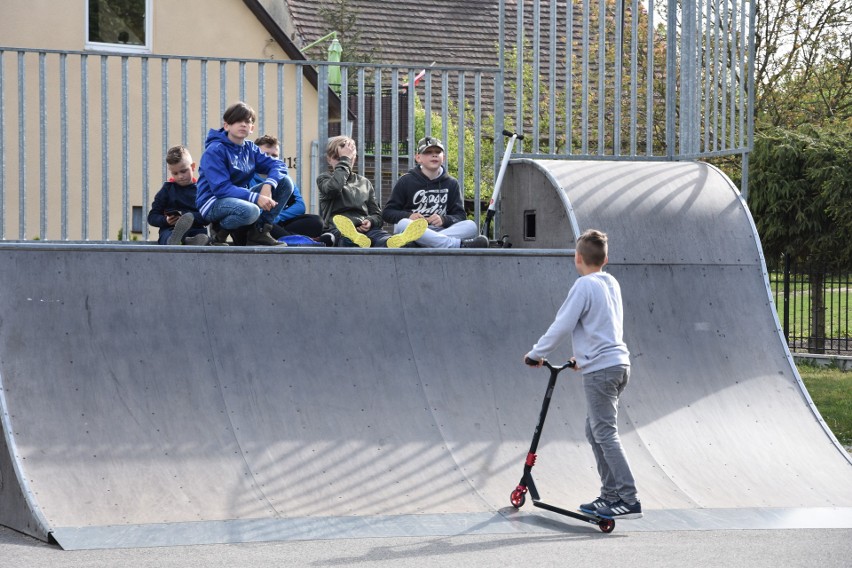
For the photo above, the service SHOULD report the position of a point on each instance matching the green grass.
(831, 390)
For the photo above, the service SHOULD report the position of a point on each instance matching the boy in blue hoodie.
(226, 196)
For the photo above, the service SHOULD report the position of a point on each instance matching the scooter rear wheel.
(607, 525)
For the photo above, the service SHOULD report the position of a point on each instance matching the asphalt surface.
(565, 546)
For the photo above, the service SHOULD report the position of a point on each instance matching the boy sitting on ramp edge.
(592, 315)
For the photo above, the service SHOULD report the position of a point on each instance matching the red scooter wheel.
(607, 525)
(517, 498)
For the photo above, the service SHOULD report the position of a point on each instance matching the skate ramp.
(176, 395)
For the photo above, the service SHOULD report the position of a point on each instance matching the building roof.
(411, 32)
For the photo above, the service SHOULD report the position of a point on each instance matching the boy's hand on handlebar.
(533, 362)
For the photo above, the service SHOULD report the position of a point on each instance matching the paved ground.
(826, 548)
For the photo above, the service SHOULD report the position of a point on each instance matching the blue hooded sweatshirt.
(227, 170)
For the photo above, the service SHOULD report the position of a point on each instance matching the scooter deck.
(579, 515)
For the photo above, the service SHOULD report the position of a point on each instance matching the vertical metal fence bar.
(84, 144)
(427, 102)
(299, 84)
(461, 147)
(536, 77)
(705, 52)
(42, 144)
(164, 109)
(723, 96)
(202, 134)
(280, 107)
(322, 106)
(634, 72)
(184, 103)
(569, 79)
(732, 63)
(394, 125)
(714, 96)
(445, 126)
(125, 157)
(242, 80)
(742, 70)
(361, 122)
(105, 161)
(601, 77)
(584, 90)
(750, 145)
(63, 150)
(261, 101)
(22, 148)
(686, 75)
(223, 88)
(2, 148)
(477, 141)
(144, 151)
(345, 130)
(377, 132)
(616, 98)
(671, 79)
(412, 138)
(519, 68)
(649, 95)
(551, 86)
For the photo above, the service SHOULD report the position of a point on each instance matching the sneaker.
(621, 510)
(592, 508)
(262, 237)
(412, 232)
(220, 235)
(477, 242)
(327, 238)
(348, 230)
(181, 227)
(198, 240)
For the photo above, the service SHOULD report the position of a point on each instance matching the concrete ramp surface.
(174, 395)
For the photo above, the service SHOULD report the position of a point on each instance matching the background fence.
(83, 135)
(814, 306)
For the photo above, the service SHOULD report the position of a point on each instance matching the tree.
(803, 67)
(801, 199)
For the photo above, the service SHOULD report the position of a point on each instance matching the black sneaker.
(621, 510)
(479, 241)
(592, 508)
(327, 238)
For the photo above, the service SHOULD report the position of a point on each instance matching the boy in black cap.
(428, 192)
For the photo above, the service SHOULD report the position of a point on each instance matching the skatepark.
(256, 395)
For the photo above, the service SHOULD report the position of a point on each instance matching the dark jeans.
(307, 225)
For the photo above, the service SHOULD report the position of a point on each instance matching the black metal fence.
(814, 305)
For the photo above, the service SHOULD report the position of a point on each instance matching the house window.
(119, 25)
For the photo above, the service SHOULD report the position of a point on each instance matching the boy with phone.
(173, 209)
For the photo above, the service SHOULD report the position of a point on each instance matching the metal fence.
(814, 306)
(83, 135)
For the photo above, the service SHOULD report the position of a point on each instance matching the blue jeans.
(232, 213)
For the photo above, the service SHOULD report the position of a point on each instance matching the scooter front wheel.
(606, 525)
(518, 498)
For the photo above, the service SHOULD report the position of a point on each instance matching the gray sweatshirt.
(593, 316)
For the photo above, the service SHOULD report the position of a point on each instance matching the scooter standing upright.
(518, 496)
(492, 205)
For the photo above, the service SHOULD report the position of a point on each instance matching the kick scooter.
(518, 496)
(492, 205)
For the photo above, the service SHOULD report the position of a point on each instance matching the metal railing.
(83, 135)
(814, 306)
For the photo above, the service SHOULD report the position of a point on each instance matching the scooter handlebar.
(518, 136)
(546, 363)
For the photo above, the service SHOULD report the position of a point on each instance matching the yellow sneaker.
(412, 232)
(348, 230)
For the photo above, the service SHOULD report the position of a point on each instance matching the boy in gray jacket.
(592, 316)
(348, 204)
